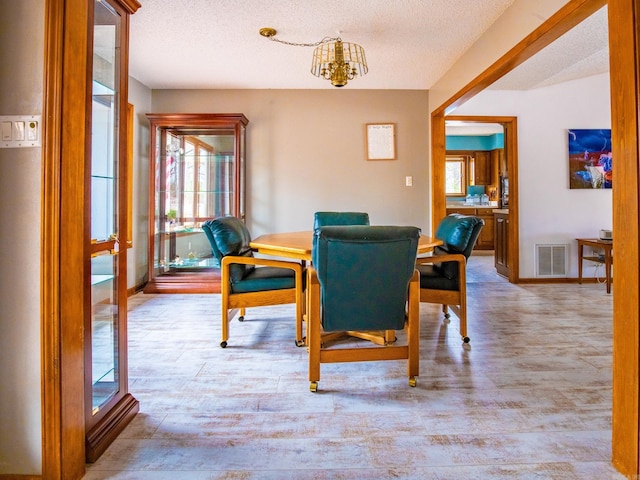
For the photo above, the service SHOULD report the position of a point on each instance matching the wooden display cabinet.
(197, 172)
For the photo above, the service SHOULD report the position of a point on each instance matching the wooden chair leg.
(300, 311)
(313, 333)
(225, 322)
(463, 320)
(413, 330)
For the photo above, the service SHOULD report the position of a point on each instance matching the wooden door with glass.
(197, 170)
(108, 404)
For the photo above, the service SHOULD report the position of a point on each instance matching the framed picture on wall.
(590, 159)
(381, 141)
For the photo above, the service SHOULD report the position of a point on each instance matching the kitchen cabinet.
(501, 226)
(499, 162)
(486, 237)
(482, 168)
(462, 210)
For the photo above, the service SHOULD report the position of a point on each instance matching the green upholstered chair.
(363, 279)
(443, 277)
(324, 219)
(247, 281)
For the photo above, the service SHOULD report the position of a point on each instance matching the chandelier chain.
(295, 44)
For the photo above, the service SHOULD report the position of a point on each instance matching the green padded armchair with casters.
(248, 281)
(443, 277)
(363, 279)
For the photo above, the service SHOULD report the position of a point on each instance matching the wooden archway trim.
(624, 49)
(624, 58)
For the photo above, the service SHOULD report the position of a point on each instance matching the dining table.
(298, 245)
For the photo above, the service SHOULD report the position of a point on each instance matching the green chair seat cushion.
(265, 278)
(431, 277)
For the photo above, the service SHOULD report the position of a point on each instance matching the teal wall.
(474, 142)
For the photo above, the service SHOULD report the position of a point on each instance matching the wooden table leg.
(607, 267)
(580, 249)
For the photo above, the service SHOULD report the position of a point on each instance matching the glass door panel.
(105, 184)
(105, 374)
(109, 407)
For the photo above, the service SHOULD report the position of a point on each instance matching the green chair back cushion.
(364, 274)
(325, 219)
(459, 234)
(230, 236)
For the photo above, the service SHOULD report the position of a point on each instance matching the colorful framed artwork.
(590, 159)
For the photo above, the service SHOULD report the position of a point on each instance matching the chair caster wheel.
(466, 339)
(412, 381)
(300, 343)
(241, 319)
(313, 387)
(223, 344)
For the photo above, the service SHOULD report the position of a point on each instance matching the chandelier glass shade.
(339, 62)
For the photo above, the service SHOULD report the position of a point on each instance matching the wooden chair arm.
(449, 257)
(265, 262)
(312, 275)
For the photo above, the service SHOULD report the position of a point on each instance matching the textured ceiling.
(581, 52)
(409, 44)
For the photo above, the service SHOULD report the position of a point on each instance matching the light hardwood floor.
(528, 398)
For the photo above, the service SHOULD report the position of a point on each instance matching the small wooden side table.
(606, 246)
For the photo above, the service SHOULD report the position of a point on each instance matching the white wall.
(21, 50)
(137, 259)
(551, 212)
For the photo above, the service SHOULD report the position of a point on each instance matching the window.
(455, 175)
(190, 186)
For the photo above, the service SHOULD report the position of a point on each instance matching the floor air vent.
(551, 260)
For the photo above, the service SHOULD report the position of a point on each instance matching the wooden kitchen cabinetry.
(486, 237)
(482, 168)
(502, 243)
(499, 162)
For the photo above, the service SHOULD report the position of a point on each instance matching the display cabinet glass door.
(198, 175)
(107, 400)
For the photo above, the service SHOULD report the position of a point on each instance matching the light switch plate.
(21, 131)
(6, 131)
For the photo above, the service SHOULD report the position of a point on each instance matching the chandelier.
(333, 59)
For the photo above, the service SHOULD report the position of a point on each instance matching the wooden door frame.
(66, 104)
(510, 125)
(624, 58)
(64, 136)
(624, 55)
